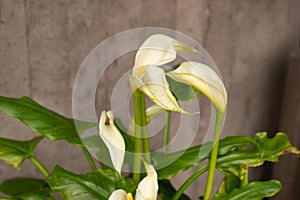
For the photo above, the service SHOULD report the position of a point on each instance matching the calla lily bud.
(159, 49)
(146, 190)
(148, 187)
(118, 195)
(113, 139)
(204, 79)
(152, 82)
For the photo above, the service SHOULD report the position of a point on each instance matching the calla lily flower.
(113, 139)
(146, 190)
(204, 79)
(154, 84)
(157, 50)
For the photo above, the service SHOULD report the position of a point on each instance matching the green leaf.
(95, 185)
(234, 152)
(169, 165)
(182, 91)
(253, 191)
(166, 191)
(25, 188)
(229, 183)
(14, 152)
(48, 123)
(263, 149)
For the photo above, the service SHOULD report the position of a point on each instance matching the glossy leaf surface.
(49, 124)
(25, 189)
(253, 191)
(14, 152)
(96, 185)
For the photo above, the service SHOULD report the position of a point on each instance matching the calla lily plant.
(150, 79)
(130, 150)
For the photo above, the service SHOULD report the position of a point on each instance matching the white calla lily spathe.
(204, 79)
(153, 83)
(148, 187)
(146, 190)
(157, 50)
(113, 139)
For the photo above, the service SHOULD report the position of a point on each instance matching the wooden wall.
(42, 44)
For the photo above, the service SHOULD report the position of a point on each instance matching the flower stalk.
(214, 154)
(167, 131)
(140, 131)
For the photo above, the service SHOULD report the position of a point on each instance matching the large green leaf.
(253, 191)
(48, 123)
(169, 165)
(262, 149)
(14, 152)
(96, 185)
(25, 189)
(234, 153)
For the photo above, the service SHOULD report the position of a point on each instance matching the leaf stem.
(167, 131)
(39, 165)
(213, 155)
(189, 181)
(89, 159)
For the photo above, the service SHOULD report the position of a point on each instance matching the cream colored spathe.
(157, 50)
(204, 79)
(112, 138)
(146, 190)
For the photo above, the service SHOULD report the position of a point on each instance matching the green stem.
(167, 131)
(191, 179)
(144, 127)
(39, 165)
(140, 130)
(137, 135)
(89, 158)
(213, 155)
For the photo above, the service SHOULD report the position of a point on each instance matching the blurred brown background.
(255, 44)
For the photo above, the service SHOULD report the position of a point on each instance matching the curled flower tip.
(159, 49)
(204, 79)
(113, 139)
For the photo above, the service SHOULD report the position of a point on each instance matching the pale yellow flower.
(146, 190)
(157, 50)
(113, 139)
(204, 79)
